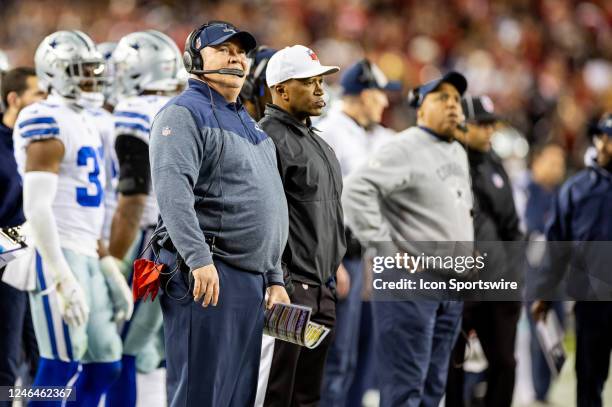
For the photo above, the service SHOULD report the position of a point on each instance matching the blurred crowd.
(545, 63)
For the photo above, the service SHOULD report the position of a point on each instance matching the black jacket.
(312, 180)
(11, 212)
(495, 218)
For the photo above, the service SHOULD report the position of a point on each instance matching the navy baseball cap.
(605, 125)
(366, 75)
(479, 109)
(454, 78)
(219, 32)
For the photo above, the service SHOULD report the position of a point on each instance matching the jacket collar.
(603, 171)
(436, 135)
(207, 91)
(282, 115)
(474, 156)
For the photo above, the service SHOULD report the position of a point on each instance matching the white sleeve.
(39, 189)
(37, 122)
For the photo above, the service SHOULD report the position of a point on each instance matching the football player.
(58, 152)
(103, 118)
(149, 67)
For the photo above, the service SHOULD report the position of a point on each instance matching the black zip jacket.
(495, 218)
(312, 180)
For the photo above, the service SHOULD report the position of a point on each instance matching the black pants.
(593, 347)
(17, 338)
(495, 324)
(296, 372)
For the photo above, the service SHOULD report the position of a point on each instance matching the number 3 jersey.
(106, 127)
(134, 117)
(79, 203)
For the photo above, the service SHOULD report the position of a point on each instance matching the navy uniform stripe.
(49, 131)
(47, 306)
(133, 115)
(134, 126)
(37, 120)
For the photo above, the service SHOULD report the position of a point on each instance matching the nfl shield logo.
(198, 43)
(166, 131)
(498, 181)
(312, 55)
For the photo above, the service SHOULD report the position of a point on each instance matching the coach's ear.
(281, 90)
(11, 99)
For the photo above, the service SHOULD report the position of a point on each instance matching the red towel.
(146, 279)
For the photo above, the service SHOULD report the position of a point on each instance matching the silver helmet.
(147, 60)
(111, 88)
(68, 63)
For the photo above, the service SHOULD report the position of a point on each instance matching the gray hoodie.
(414, 188)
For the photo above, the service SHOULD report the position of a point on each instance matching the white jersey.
(351, 142)
(79, 203)
(133, 117)
(105, 123)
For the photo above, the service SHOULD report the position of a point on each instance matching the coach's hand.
(277, 294)
(206, 284)
(343, 282)
(539, 309)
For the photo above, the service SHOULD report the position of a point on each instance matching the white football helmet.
(111, 89)
(68, 64)
(147, 61)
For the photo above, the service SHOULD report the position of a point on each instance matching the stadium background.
(547, 64)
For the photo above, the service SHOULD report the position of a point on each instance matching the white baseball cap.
(296, 62)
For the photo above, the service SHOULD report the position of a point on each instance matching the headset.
(469, 101)
(367, 76)
(252, 87)
(192, 59)
(372, 75)
(414, 98)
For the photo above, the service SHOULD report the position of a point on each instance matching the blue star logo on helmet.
(53, 43)
(135, 46)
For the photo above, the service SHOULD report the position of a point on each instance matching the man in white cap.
(312, 180)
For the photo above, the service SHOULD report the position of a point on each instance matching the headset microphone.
(222, 71)
(225, 71)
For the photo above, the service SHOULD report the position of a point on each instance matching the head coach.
(222, 227)
(313, 185)
(415, 188)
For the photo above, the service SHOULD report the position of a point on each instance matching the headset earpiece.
(414, 98)
(367, 75)
(192, 59)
